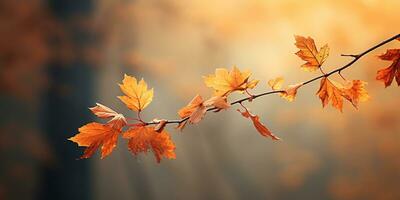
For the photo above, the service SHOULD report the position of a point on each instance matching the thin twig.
(349, 55)
(355, 57)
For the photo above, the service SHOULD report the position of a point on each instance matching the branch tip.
(324, 75)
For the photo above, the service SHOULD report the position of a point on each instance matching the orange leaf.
(276, 83)
(356, 92)
(261, 128)
(94, 135)
(331, 91)
(224, 82)
(117, 120)
(163, 146)
(197, 108)
(139, 138)
(387, 75)
(308, 52)
(143, 138)
(291, 91)
(137, 97)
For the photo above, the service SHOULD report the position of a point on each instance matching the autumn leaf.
(308, 52)
(218, 102)
(117, 120)
(356, 92)
(331, 91)
(261, 128)
(137, 96)
(251, 84)
(276, 83)
(94, 135)
(197, 108)
(224, 82)
(191, 107)
(290, 93)
(144, 138)
(163, 146)
(387, 75)
(103, 111)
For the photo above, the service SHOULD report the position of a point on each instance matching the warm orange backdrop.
(324, 154)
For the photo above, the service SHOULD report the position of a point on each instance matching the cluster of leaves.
(387, 75)
(330, 90)
(151, 136)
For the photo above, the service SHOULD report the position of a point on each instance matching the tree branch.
(355, 57)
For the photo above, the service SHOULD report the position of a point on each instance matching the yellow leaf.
(308, 52)
(225, 82)
(137, 97)
(252, 84)
(276, 83)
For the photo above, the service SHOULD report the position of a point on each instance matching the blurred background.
(59, 57)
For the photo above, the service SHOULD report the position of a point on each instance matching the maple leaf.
(261, 128)
(308, 52)
(356, 92)
(117, 120)
(387, 75)
(163, 146)
(197, 108)
(331, 91)
(94, 135)
(137, 97)
(144, 138)
(224, 82)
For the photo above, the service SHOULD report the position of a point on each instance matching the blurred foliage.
(324, 154)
